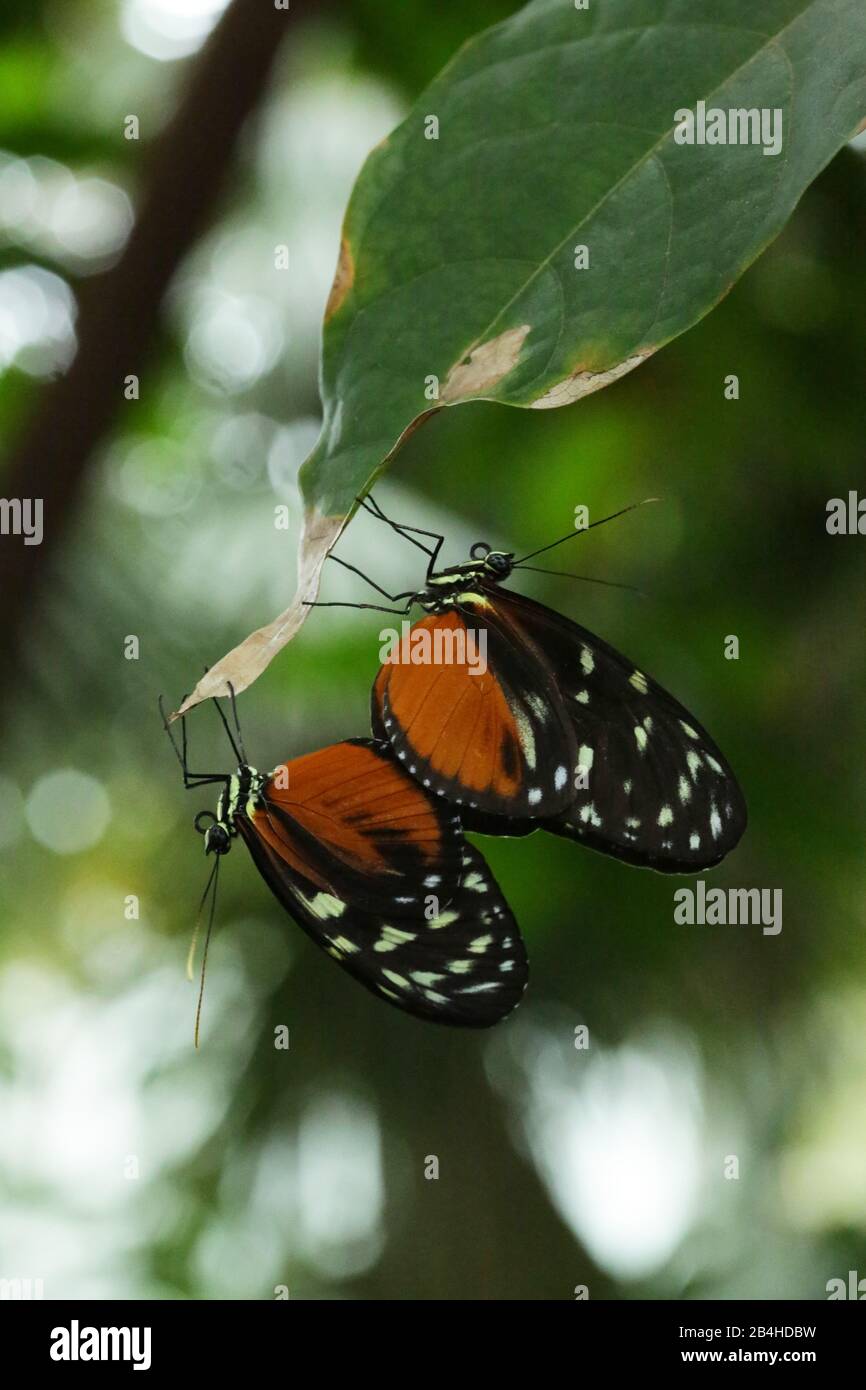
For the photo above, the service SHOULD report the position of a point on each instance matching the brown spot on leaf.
(485, 366)
(344, 279)
(245, 663)
(583, 382)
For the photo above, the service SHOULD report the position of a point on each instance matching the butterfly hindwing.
(447, 950)
(658, 791)
(465, 965)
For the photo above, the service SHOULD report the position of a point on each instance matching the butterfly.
(554, 729)
(376, 871)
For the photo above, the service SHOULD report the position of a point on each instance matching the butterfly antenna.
(622, 511)
(214, 879)
(588, 578)
(190, 959)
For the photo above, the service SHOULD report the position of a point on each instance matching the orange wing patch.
(356, 804)
(453, 715)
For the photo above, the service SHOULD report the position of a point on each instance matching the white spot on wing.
(434, 997)
(526, 738)
(444, 919)
(324, 905)
(398, 980)
(392, 937)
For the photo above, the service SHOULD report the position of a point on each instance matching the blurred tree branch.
(119, 309)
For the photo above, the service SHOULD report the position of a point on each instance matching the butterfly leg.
(190, 779)
(238, 751)
(402, 530)
(237, 722)
(440, 541)
(367, 580)
(378, 607)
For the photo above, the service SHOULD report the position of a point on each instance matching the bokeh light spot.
(68, 811)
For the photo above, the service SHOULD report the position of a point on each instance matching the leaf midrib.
(771, 41)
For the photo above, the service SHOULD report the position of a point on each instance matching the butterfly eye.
(479, 551)
(498, 562)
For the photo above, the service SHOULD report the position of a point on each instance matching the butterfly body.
(242, 790)
(447, 587)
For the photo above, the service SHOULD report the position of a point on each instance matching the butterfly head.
(216, 831)
(498, 564)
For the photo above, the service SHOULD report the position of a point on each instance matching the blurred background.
(132, 1166)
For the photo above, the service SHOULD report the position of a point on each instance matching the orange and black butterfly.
(377, 872)
(554, 729)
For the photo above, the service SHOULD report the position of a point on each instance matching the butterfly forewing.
(653, 787)
(350, 820)
(377, 872)
(476, 720)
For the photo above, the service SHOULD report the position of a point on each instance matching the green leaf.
(559, 129)
(556, 129)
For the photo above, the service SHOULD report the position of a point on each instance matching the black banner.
(146, 1338)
